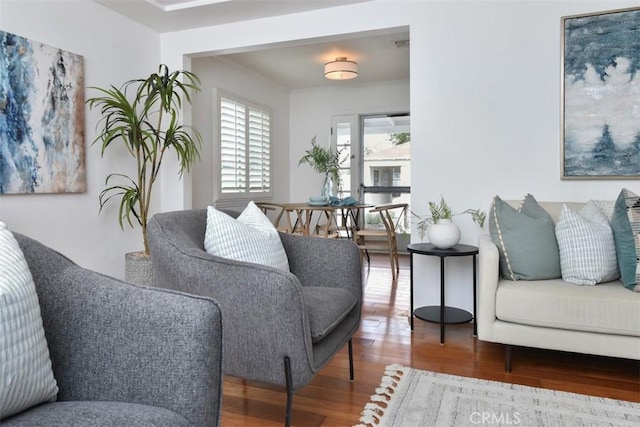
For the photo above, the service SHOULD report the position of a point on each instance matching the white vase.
(444, 234)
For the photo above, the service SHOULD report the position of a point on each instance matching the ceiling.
(175, 15)
(294, 65)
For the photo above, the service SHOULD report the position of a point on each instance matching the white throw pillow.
(250, 238)
(606, 206)
(26, 377)
(587, 248)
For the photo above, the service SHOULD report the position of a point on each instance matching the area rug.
(409, 397)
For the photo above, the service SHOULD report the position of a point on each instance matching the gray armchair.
(279, 327)
(121, 354)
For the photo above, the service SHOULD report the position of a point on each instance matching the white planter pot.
(444, 234)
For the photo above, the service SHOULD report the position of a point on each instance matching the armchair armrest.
(488, 268)
(324, 262)
(110, 340)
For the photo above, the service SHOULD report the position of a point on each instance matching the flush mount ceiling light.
(341, 69)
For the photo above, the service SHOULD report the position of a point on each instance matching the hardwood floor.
(385, 337)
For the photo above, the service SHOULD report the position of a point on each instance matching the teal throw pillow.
(526, 240)
(625, 224)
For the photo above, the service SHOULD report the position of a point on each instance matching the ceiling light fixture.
(341, 69)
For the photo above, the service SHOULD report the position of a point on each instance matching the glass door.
(343, 133)
(385, 167)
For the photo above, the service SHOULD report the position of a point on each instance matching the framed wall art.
(601, 95)
(42, 147)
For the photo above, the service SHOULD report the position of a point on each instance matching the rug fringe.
(374, 410)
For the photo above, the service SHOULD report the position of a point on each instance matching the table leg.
(441, 300)
(411, 287)
(307, 223)
(290, 227)
(475, 323)
(354, 215)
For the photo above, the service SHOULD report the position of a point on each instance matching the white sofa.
(553, 314)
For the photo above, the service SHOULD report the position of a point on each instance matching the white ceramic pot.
(444, 234)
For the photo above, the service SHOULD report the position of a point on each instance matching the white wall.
(238, 81)
(114, 50)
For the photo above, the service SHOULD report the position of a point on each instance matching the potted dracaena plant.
(143, 117)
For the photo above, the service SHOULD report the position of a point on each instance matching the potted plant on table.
(148, 126)
(438, 225)
(327, 162)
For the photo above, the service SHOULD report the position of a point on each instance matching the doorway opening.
(379, 168)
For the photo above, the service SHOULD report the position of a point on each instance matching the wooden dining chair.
(371, 239)
(267, 207)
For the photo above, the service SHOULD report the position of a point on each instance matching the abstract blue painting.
(42, 147)
(601, 95)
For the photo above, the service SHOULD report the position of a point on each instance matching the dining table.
(322, 220)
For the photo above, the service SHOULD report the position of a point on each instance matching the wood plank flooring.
(385, 337)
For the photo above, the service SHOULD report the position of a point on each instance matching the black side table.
(444, 314)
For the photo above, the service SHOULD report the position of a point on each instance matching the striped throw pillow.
(587, 249)
(26, 377)
(250, 238)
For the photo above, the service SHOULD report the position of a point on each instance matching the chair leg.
(393, 267)
(351, 373)
(396, 258)
(287, 375)
(365, 254)
(508, 350)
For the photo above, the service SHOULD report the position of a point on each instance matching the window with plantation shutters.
(245, 147)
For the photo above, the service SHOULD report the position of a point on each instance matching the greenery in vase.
(147, 126)
(442, 210)
(323, 160)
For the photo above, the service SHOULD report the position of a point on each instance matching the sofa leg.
(287, 375)
(351, 373)
(508, 350)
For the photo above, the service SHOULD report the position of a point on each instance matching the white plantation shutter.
(245, 147)
(259, 150)
(232, 146)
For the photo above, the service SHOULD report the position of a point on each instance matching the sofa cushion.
(326, 308)
(587, 251)
(526, 240)
(626, 232)
(250, 238)
(607, 308)
(26, 376)
(96, 414)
